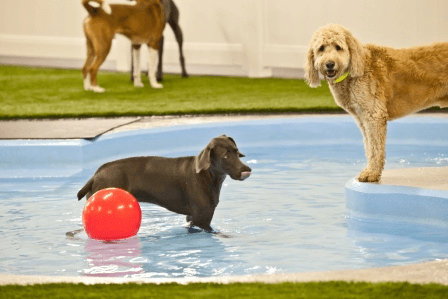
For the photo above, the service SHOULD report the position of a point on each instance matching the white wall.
(233, 37)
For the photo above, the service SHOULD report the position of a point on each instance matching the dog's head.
(333, 51)
(222, 156)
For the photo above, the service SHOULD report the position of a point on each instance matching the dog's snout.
(244, 172)
(247, 171)
(330, 65)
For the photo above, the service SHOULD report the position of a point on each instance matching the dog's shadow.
(191, 229)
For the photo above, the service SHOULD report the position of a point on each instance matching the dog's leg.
(87, 63)
(364, 135)
(179, 38)
(174, 24)
(443, 102)
(152, 68)
(136, 63)
(375, 131)
(159, 75)
(132, 64)
(87, 85)
(201, 217)
(102, 49)
(93, 80)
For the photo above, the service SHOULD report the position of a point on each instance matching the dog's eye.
(322, 48)
(338, 48)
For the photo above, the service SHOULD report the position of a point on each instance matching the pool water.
(289, 216)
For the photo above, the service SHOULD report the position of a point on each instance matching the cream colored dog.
(376, 84)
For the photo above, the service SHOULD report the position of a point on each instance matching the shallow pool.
(289, 216)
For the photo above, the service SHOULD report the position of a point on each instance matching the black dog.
(172, 18)
(186, 185)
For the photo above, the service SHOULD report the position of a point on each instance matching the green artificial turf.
(55, 93)
(334, 289)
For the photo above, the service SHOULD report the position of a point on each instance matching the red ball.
(111, 214)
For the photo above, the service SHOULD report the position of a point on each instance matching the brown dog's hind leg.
(97, 61)
(87, 63)
(99, 37)
(101, 47)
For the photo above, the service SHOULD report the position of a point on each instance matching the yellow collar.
(342, 78)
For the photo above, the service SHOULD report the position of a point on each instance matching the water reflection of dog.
(113, 259)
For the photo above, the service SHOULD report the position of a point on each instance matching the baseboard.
(288, 73)
(42, 46)
(283, 56)
(168, 68)
(201, 58)
(59, 63)
(49, 51)
(211, 70)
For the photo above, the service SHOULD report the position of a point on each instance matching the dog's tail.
(93, 7)
(84, 190)
(72, 234)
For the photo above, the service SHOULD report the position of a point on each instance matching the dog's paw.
(156, 85)
(369, 176)
(86, 82)
(138, 84)
(97, 89)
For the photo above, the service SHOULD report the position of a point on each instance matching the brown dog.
(172, 18)
(142, 23)
(377, 84)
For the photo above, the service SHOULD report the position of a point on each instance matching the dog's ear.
(202, 161)
(311, 74)
(357, 52)
(231, 139)
(228, 137)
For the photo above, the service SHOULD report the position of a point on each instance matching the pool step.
(411, 195)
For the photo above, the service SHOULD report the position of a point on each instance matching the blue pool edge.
(436, 271)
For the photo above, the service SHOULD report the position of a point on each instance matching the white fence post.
(254, 39)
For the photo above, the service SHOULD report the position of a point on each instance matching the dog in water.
(187, 185)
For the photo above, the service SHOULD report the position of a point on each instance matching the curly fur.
(384, 84)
